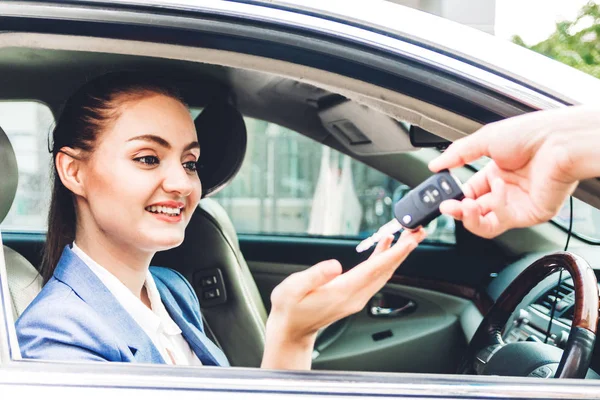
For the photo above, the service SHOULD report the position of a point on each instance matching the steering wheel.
(488, 354)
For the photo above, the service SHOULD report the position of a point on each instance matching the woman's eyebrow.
(192, 145)
(152, 138)
(162, 142)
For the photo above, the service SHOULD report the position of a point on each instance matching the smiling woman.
(102, 172)
(114, 189)
(125, 154)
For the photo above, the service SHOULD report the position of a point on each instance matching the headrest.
(9, 175)
(222, 137)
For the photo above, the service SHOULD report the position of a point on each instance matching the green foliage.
(579, 48)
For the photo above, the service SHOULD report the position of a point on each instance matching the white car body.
(491, 63)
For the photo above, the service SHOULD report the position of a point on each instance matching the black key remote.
(422, 204)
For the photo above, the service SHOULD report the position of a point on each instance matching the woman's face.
(141, 185)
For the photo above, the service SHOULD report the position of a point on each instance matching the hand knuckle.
(278, 296)
(357, 306)
(564, 162)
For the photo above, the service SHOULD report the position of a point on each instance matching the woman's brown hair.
(85, 115)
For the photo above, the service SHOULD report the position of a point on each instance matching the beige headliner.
(404, 108)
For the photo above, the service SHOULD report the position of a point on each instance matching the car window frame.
(506, 99)
(329, 383)
(340, 24)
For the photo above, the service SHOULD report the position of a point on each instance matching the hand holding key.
(537, 160)
(419, 207)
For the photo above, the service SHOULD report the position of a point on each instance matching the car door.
(439, 264)
(66, 380)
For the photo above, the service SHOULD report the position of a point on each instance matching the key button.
(407, 219)
(445, 186)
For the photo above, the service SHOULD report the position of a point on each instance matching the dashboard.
(531, 322)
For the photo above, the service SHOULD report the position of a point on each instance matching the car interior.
(440, 294)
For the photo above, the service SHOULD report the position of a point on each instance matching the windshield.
(586, 218)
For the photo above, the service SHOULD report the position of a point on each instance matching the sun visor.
(365, 131)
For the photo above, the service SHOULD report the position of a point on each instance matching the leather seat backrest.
(211, 243)
(24, 281)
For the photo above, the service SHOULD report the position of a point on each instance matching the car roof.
(467, 43)
(449, 38)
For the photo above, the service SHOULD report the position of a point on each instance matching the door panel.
(430, 339)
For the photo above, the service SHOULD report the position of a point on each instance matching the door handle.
(377, 311)
(390, 306)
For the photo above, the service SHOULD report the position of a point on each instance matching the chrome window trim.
(345, 32)
(156, 380)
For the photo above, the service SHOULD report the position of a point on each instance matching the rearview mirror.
(419, 137)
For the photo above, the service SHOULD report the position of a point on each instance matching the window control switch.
(208, 281)
(212, 294)
(210, 287)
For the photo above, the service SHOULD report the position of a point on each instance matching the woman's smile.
(169, 211)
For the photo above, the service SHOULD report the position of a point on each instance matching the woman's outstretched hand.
(314, 298)
(537, 161)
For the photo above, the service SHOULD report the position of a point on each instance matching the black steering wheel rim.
(577, 354)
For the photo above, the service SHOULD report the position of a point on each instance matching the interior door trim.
(481, 300)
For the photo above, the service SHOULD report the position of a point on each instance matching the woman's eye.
(148, 160)
(191, 166)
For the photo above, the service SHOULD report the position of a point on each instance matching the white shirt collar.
(148, 319)
(158, 307)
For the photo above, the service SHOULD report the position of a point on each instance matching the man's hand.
(537, 161)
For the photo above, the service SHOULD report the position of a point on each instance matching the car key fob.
(422, 204)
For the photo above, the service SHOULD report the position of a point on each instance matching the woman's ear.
(68, 165)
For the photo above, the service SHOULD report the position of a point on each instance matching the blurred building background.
(28, 125)
(479, 14)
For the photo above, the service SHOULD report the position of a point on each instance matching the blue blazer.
(75, 317)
